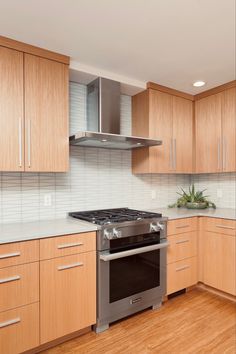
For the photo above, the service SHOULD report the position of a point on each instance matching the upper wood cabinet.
(215, 124)
(160, 115)
(33, 109)
(11, 110)
(46, 115)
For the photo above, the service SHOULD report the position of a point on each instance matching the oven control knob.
(154, 227)
(161, 226)
(117, 233)
(108, 234)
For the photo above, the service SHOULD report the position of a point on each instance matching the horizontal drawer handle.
(225, 227)
(74, 265)
(67, 245)
(7, 280)
(182, 268)
(9, 255)
(182, 226)
(182, 241)
(10, 322)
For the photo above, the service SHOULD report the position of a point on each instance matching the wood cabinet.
(215, 124)
(11, 110)
(67, 295)
(33, 109)
(219, 254)
(182, 254)
(163, 116)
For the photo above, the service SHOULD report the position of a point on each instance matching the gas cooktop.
(110, 216)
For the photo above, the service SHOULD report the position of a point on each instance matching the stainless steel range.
(131, 262)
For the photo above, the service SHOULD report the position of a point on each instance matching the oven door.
(130, 279)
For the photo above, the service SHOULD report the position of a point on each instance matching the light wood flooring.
(195, 322)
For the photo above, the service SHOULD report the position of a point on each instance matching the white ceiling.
(171, 42)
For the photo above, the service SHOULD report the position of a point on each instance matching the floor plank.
(197, 322)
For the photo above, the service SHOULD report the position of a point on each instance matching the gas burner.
(113, 216)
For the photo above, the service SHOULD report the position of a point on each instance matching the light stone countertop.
(178, 213)
(41, 229)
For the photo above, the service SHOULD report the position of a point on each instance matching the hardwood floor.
(197, 322)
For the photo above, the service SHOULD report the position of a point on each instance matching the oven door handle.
(110, 257)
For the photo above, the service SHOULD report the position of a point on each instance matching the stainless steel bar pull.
(226, 227)
(181, 241)
(68, 245)
(74, 265)
(10, 322)
(9, 255)
(110, 257)
(7, 280)
(20, 142)
(174, 154)
(182, 268)
(171, 154)
(219, 154)
(182, 226)
(29, 143)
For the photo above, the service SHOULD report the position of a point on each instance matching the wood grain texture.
(181, 274)
(229, 130)
(215, 90)
(11, 110)
(183, 225)
(46, 115)
(52, 247)
(19, 337)
(28, 252)
(182, 246)
(173, 92)
(30, 49)
(196, 322)
(183, 135)
(219, 269)
(67, 297)
(208, 134)
(221, 226)
(19, 292)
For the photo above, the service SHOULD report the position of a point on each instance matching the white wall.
(98, 178)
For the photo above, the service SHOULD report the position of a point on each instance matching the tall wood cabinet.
(215, 124)
(164, 116)
(33, 109)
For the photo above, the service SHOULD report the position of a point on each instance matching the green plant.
(192, 197)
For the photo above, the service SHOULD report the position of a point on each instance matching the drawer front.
(19, 285)
(222, 226)
(182, 246)
(181, 274)
(67, 245)
(67, 295)
(19, 253)
(180, 226)
(19, 329)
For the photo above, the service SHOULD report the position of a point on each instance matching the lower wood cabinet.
(19, 329)
(219, 261)
(67, 295)
(181, 274)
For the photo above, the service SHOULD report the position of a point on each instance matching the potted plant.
(193, 200)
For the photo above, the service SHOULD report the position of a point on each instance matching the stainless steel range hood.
(103, 120)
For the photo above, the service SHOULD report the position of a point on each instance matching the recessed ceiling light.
(199, 83)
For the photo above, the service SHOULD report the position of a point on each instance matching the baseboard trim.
(216, 292)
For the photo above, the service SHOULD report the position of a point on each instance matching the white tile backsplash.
(98, 178)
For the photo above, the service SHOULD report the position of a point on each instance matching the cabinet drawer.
(222, 226)
(19, 285)
(182, 246)
(67, 295)
(181, 274)
(19, 329)
(66, 245)
(19, 253)
(180, 226)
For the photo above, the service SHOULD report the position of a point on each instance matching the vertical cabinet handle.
(218, 154)
(171, 154)
(29, 143)
(224, 153)
(20, 142)
(174, 154)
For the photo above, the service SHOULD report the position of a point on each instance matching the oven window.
(134, 274)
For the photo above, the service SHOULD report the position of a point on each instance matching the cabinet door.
(161, 127)
(46, 115)
(220, 262)
(11, 110)
(229, 129)
(67, 295)
(208, 134)
(182, 135)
